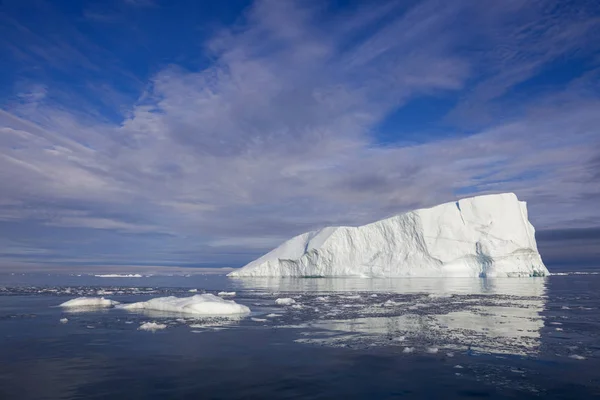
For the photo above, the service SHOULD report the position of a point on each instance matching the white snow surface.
(89, 302)
(483, 236)
(200, 304)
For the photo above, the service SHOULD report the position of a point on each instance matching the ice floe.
(285, 301)
(89, 302)
(151, 326)
(200, 304)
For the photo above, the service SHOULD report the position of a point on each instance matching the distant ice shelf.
(483, 236)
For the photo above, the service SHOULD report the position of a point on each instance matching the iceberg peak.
(481, 236)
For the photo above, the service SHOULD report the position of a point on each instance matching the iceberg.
(89, 302)
(200, 304)
(482, 236)
(151, 326)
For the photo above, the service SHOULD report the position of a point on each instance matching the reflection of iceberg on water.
(435, 286)
(489, 324)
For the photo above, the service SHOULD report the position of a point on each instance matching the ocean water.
(343, 338)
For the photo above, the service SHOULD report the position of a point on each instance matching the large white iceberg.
(200, 304)
(482, 236)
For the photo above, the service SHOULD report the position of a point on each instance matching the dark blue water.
(344, 338)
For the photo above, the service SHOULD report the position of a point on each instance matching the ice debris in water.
(95, 302)
(226, 294)
(119, 276)
(64, 320)
(273, 315)
(285, 301)
(408, 350)
(201, 304)
(483, 236)
(432, 350)
(151, 326)
(193, 290)
(577, 357)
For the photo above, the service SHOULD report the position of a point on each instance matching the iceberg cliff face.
(475, 237)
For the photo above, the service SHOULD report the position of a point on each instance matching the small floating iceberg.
(118, 276)
(151, 326)
(200, 304)
(89, 302)
(285, 301)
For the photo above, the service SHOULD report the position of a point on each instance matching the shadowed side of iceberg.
(480, 236)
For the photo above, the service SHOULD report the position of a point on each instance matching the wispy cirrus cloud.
(278, 133)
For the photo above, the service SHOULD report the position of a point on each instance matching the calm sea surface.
(343, 338)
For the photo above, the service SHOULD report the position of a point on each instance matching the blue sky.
(193, 132)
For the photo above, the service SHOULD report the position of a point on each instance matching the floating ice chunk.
(322, 298)
(408, 350)
(89, 302)
(201, 304)
(119, 276)
(432, 350)
(258, 319)
(285, 301)
(400, 338)
(193, 290)
(226, 294)
(273, 315)
(64, 320)
(373, 295)
(297, 306)
(151, 326)
(577, 357)
(457, 366)
(389, 303)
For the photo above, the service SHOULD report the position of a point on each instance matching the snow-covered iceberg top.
(89, 302)
(200, 304)
(480, 236)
